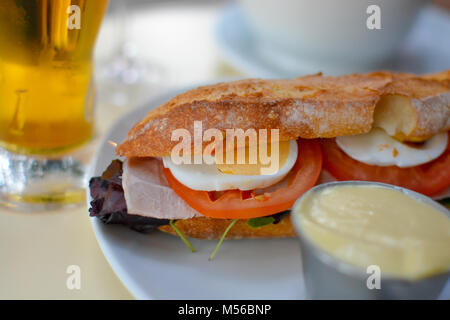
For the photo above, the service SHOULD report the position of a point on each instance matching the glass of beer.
(46, 99)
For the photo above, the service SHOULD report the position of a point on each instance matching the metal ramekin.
(327, 277)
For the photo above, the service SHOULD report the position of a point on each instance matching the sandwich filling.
(421, 166)
(164, 190)
(160, 190)
(219, 176)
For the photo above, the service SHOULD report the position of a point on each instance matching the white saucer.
(426, 49)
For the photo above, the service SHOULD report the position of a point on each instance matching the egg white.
(206, 177)
(380, 149)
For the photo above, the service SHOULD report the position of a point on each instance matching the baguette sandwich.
(381, 126)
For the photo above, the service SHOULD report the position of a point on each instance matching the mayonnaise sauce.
(373, 225)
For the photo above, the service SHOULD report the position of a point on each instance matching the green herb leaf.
(222, 238)
(181, 235)
(259, 222)
(445, 202)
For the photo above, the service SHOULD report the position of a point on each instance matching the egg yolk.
(253, 169)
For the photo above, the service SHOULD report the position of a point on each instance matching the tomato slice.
(236, 204)
(430, 178)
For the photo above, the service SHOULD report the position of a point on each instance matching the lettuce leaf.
(108, 202)
(445, 202)
(264, 221)
(260, 222)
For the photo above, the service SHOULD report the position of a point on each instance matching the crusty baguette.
(307, 107)
(443, 76)
(415, 108)
(208, 228)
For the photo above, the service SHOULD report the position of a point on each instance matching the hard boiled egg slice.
(208, 177)
(380, 149)
(253, 167)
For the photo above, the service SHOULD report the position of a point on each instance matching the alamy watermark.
(374, 280)
(373, 21)
(74, 19)
(73, 281)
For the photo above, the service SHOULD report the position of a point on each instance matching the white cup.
(330, 35)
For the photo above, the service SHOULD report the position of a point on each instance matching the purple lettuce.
(109, 204)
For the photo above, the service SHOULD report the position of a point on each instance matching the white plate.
(426, 48)
(159, 266)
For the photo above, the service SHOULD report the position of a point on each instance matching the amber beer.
(46, 85)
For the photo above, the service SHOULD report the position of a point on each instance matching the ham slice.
(148, 194)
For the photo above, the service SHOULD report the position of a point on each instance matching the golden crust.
(443, 76)
(429, 97)
(208, 228)
(308, 107)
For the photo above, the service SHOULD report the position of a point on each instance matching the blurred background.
(147, 46)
